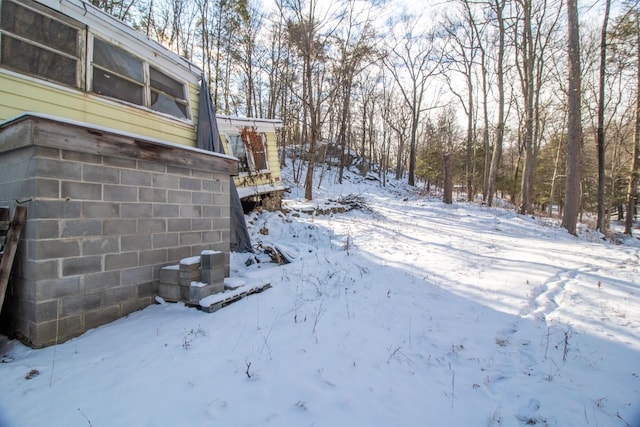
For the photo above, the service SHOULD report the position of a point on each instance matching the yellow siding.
(272, 159)
(272, 149)
(20, 94)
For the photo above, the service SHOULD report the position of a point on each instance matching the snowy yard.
(411, 313)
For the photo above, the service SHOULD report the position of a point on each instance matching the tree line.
(536, 101)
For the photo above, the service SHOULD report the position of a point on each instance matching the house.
(97, 139)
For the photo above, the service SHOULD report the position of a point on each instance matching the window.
(117, 73)
(121, 75)
(167, 95)
(42, 42)
(38, 43)
(238, 149)
(250, 148)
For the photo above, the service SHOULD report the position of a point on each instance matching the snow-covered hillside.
(403, 312)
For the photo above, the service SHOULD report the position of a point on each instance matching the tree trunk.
(635, 169)
(497, 147)
(527, 89)
(601, 226)
(447, 196)
(574, 122)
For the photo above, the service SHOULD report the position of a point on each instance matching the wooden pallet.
(9, 238)
(217, 301)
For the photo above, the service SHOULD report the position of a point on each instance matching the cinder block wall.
(105, 213)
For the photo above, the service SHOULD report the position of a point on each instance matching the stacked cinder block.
(194, 278)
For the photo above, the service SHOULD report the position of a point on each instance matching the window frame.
(171, 106)
(81, 38)
(146, 85)
(249, 154)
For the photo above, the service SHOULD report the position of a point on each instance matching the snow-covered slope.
(404, 312)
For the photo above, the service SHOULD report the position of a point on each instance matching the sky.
(403, 311)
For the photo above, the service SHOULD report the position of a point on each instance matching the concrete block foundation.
(106, 212)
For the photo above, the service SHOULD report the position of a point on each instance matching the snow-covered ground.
(408, 313)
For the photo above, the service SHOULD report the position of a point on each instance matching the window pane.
(166, 84)
(239, 151)
(39, 28)
(116, 59)
(108, 84)
(41, 62)
(165, 104)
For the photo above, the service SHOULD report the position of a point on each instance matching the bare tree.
(600, 129)
(634, 175)
(412, 61)
(498, 8)
(464, 44)
(574, 122)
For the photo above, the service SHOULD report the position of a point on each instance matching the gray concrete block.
(213, 276)
(152, 225)
(52, 248)
(193, 184)
(101, 174)
(76, 304)
(120, 193)
(120, 162)
(176, 254)
(135, 177)
(54, 331)
(40, 151)
(201, 224)
(136, 210)
(170, 274)
(165, 240)
(151, 257)
(99, 281)
(179, 197)
(196, 292)
(46, 209)
(44, 311)
(133, 276)
(100, 245)
(210, 260)
(170, 291)
(81, 265)
(200, 198)
(154, 195)
(212, 236)
(101, 316)
(211, 185)
(40, 187)
(180, 224)
(100, 210)
(178, 170)
(80, 190)
(40, 270)
(151, 166)
(211, 211)
(81, 228)
(165, 181)
(81, 157)
(119, 295)
(165, 210)
(119, 261)
(49, 168)
(201, 174)
(190, 238)
(190, 211)
(118, 227)
(190, 264)
(135, 243)
(56, 288)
